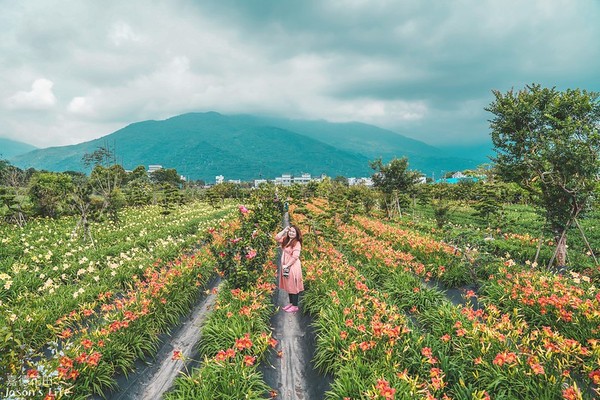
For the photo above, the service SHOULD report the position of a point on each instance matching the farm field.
(390, 327)
(401, 309)
(75, 313)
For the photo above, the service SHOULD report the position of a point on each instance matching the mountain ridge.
(203, 145)
(10, 148)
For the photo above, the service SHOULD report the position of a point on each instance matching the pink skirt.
(293, 284)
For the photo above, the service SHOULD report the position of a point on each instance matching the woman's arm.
(279, 237)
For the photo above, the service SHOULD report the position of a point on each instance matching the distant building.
(155, 167)
(219, 179)
(284, 180)
(360, 181)
(258, 182)
(302, 180)
(234, 181)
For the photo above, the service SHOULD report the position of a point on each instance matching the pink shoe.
(292, 309)
(286, 307)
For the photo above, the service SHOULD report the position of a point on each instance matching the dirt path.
(151, 381)
(292, 375)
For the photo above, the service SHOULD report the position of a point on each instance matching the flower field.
(76, 314)
(385, 331)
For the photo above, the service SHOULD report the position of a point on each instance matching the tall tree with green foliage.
(106, 179)
(166, 175)
(395, 181)
(14, 202)
(49, 193)
(548, 142)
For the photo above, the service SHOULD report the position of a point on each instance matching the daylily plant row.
(385, 330)
(75, 311)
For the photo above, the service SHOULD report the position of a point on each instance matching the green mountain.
(10, 148)
(204, 145)
(375, 142)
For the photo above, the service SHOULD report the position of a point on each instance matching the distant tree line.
(99, 195)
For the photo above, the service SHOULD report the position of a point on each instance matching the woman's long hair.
(287, 241)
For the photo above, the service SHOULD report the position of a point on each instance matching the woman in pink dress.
(290, 278)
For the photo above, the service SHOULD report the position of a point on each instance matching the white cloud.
(421, 67)
(121, 33)
(81, 106)
(40, 97)
(382, 113)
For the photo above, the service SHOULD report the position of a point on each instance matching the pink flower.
(243, 210)
(251, 254)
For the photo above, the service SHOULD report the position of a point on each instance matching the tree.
(138, 174)
(166, 175)
(171, 197)
(489, 203)
(396, 182)
(342, 180)
(14, 203)
(49, 192)
(548, 142)
(106, 183)
(85, 204)
(103, 156)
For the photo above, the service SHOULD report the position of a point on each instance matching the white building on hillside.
(219, 179)
(303, 179)
(284, 180)
(360, 181)
(258, 182)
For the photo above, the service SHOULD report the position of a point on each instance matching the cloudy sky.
(75, 70)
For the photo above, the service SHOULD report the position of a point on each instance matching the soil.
(153, 378)
(292, 374)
